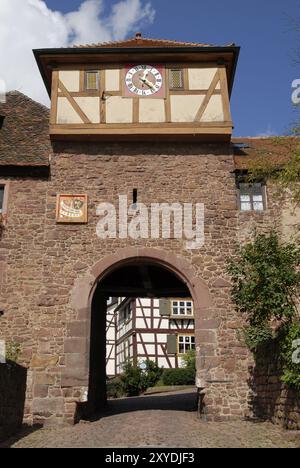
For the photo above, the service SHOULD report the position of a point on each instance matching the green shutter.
(172, 344)
(164, 307)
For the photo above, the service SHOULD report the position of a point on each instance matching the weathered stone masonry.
(45, 260)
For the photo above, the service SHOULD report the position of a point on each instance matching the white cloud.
(30, 24)
(128, 14)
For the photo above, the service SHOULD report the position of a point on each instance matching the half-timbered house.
(159, 330)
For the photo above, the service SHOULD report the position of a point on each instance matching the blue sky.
(261, 99)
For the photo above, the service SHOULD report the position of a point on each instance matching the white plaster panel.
(91, 107)
(70, 79)
(112, 80)
(185, 108)
(152, 110)
(214, 110)
(65, 112)
(119, 110)
(201, 78)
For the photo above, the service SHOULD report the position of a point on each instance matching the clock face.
(144, 81)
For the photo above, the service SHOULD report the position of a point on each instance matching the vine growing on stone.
(265, 278)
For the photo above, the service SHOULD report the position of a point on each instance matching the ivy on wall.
(266, 288)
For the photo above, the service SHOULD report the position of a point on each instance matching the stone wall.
(272, 400)
(12, 398)
(42, 261)
(22, 246)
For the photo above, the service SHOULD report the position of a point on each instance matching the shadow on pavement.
(167, 402)
(24, 432)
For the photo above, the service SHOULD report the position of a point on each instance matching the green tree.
(266, 280)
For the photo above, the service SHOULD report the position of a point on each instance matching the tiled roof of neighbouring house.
(24, 137)
(277, 150)
(139, 41)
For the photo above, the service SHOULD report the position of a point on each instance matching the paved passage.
(167, 420)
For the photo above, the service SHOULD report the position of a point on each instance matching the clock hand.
(147, 82)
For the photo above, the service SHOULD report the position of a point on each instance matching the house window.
(126, 314)
(176, 79)
(126, 350)
(91, 80)
(186, 343)
(252, 197)
(182, 308)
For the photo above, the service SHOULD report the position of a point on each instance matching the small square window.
(186, 343)
(91, 81)
(182, 308)
(176, 79)
(252, 197)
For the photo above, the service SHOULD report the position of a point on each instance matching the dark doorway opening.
(138, 279)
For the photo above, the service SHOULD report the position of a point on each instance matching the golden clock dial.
(144, 80)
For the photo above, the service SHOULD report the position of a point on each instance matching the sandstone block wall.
(41, 262)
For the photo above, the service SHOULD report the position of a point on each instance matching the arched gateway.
(89, 297)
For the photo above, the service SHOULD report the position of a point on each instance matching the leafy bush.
(132, 380)
(135, 380)
(190, 359)
(266, 279)
(256, 336)
(180, 376)
(13, 351)
(115, 388)
(151, 375)
(291, 369)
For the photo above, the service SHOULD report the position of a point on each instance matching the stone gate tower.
(148, 120)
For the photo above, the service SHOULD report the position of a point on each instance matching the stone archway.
(76, 373)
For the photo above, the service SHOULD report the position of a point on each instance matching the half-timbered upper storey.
(140, 88)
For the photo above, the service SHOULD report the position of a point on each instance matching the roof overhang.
(50, 59)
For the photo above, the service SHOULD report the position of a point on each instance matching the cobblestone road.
(157, 421)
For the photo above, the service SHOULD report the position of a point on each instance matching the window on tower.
(91, 80)
(176, 79)
(252, 197)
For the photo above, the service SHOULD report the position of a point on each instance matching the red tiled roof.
(24, 137)
(139, 41)
(276, 150)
